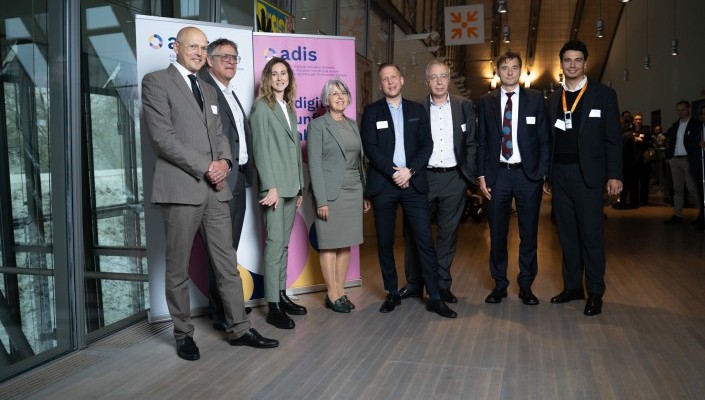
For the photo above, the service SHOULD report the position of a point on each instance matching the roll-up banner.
(314, 60)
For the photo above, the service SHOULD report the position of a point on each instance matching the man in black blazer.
(512, 163)
(396, 138)
(683, 155)
(586, 159)
(222, 62)
(450, 170)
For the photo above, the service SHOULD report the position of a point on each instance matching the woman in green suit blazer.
(335, 163)
(277, 154)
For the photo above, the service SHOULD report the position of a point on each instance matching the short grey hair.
(329, 86)
(220, 42)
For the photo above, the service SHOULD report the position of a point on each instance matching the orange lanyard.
(575, 103)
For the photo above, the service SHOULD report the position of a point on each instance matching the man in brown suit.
(180, 116)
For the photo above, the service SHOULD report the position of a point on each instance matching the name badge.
(560, 124)
(382, 124)
(568, 116)
(531, 120)
(595, 113)
(464, 127)
(214, 109)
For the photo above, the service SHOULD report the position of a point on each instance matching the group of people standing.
(421, 156)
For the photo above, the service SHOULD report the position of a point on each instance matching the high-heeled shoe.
(348, 302)
(337, 306)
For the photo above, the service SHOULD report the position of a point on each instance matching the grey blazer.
(230, 131)
(277, 149)
(185, 138)
(326, 158)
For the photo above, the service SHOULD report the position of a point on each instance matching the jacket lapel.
(588, 100)
(187, 92)
(331, 126)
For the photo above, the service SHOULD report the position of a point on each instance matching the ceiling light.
(506, 32)
(600, 28)
(625, 74)
(624, 1)
(502, 6)
(674, 47)
(647, 62)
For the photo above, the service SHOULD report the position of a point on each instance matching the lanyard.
(575, 103)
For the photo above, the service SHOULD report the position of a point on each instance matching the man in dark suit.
(396, 137)
(450, 170)
(683, 155)
(586, 159)
(222, 62)
(512, 163)
(180, 116)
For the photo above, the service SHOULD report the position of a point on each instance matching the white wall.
(671, 78)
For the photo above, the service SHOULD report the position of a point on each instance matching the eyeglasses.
(338, 94)
(193, 47)
(234, 58)
(434, 78)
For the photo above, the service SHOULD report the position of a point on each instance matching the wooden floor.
(649, 343)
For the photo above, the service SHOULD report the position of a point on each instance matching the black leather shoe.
(448, 297)
(220, 325)
(405, 293)
(350, 303)
(390, 302)
(496, 296)
(440, 308)
(186, 348)
(568, 295)
(277, 317)
(289, 306)
(593, 305)
(252, 338)
(338, 306)
(248, 310)
(674, 220)
(527, 296)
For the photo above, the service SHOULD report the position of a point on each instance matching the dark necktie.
(507, 128)
(196, 90)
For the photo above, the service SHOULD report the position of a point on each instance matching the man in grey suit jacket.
(222, 62)
(450, 170)
(180, 116)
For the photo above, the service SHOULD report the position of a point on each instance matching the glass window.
(115, 231)
(27, 293)
(316, 17)
(353, 22)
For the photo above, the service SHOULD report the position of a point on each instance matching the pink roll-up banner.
(314, 59)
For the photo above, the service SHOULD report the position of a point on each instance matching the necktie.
(196, 90)
(507, 128)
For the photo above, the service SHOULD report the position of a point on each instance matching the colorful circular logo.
(269, 53)
(155, 41)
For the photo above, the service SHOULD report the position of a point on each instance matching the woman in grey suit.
(277, 154)
(335, 162)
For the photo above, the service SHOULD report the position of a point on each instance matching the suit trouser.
(513, 184)
(181, 223)
(446, 196)
(416, 212)
(278, 222)
(682, 176)
(580, 223)
(237, 207)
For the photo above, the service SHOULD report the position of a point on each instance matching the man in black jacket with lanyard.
(586, 159)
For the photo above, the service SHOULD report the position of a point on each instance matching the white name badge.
(595, 113)
(531, 120)
(463, 127)
(382, 124)
(560, 124)
(214, 109)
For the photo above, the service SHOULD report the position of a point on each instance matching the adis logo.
(297, 54)
(155, 41)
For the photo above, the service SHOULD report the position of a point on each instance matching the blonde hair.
(265, 83)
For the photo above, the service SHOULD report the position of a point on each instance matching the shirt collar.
(182, 70)
(578, 87)
(444, 104)
(222, 87)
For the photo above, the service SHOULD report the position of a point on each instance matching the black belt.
(441, 170)
(680, 156)
(502, 164)
(241, 168)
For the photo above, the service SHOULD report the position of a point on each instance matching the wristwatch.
(412, 171)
